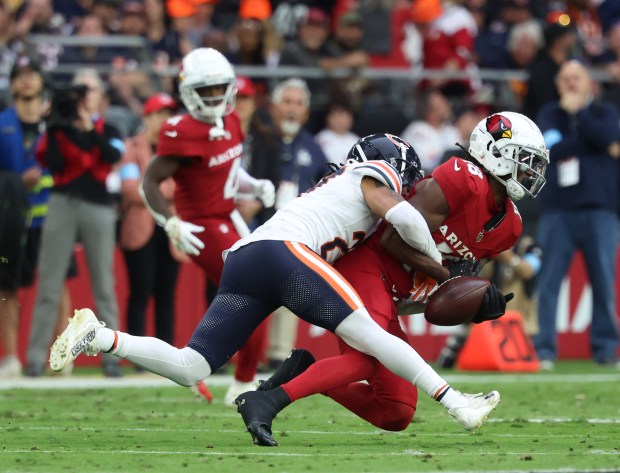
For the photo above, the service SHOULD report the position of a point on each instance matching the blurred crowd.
(449, 37)
(460, 61)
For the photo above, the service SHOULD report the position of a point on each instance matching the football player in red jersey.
(202, 151)
(468, 205)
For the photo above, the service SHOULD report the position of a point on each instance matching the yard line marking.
(289, 454)
(148, 381)
(327, 432)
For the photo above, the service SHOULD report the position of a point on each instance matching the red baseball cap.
(159, 102)
(315, 16)
(245, 87)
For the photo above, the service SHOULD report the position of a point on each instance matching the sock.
(183, 366)
(105, 339)
(330, 373)
(279, 398)
(250, 354)
(297, 362)
(449, 398)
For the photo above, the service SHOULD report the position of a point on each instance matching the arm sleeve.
(412, 227)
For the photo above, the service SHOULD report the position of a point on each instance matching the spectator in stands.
(525, 40)
(72, 11)
(387, 27)
(38, 17)
(433, 133)
(287, 15)
(337, 139)
(583, 14)
(560, 40)
(346, 51)
(465, 123)
(9, 48)
(90, 27)
(167, 46)
(20, 126)
(79, 149)
(192, 19)
(501, 17)
(256, 43)
(308, 49)
(133, 18)
(579, 208)
(448, 31)
(107, 11)
(152, 264)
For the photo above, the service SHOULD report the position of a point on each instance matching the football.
(456, 301)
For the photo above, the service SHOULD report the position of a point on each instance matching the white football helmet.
(507, 143)
(205, 67)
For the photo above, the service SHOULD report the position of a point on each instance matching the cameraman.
(79, 149)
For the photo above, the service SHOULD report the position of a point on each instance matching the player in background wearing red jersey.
(468, 205)
(202, 151)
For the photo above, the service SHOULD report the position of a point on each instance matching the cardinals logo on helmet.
(499, 127)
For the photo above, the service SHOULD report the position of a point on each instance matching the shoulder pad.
(382, 172)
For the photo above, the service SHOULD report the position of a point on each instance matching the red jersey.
(207, 181)
(463, 233)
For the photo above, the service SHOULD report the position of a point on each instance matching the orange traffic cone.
(499, 345)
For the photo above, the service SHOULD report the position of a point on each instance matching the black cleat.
(297, 362)
(258, 412)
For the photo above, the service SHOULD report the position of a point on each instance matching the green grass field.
(568, 420)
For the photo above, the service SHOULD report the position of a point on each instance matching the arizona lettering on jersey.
(347, 220)
(206, 181)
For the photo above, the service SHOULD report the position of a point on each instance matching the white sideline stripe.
(321, 432)
(97, 382)
(152, 381)
(286, 454)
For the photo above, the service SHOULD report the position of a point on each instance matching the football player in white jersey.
(286, 263)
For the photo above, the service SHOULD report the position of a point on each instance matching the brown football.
(456, 301)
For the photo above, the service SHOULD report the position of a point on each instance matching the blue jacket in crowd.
(585, 136)
(14, 158)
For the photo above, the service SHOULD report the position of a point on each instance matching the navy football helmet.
(392, 149)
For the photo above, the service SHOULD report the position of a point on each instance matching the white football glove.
(182, 236)
(265, 191)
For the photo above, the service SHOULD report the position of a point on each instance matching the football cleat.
(476, 411)
(258, 414)
(78, 338)
(297, 362)
(237, 388)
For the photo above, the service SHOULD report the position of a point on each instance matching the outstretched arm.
(407, 221)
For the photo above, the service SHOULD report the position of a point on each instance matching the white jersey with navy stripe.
(332, 217)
